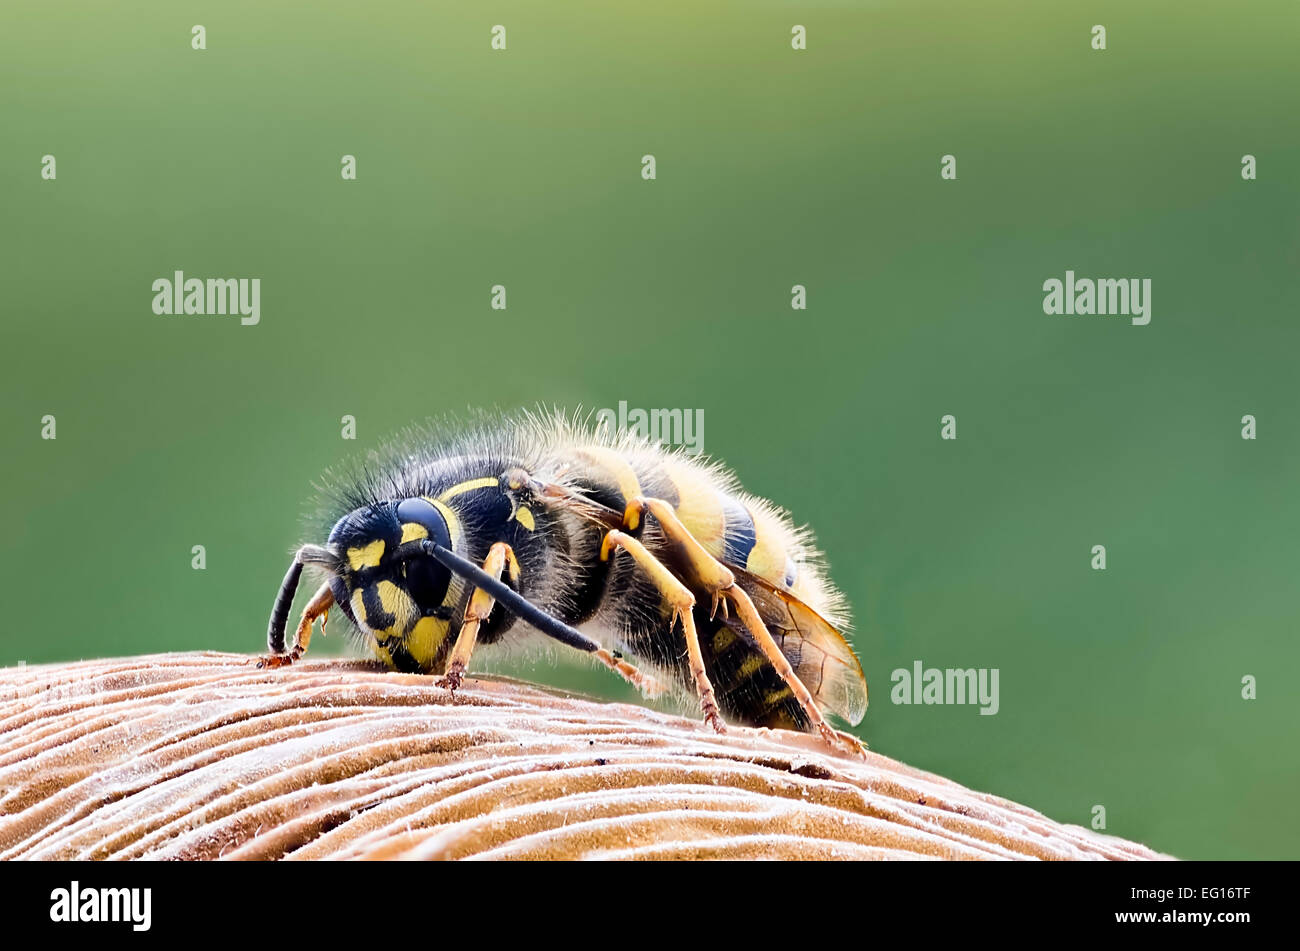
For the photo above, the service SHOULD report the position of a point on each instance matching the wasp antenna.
(510, 598)
(280, 612)
(309, 555)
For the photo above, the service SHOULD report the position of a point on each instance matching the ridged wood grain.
(204, 756)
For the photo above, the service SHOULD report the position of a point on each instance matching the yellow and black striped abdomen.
(749, 690)
(729, 529)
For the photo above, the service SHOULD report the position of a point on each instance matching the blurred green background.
(1120, 688)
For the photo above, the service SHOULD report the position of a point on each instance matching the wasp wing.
(820, 656)
(554, 495)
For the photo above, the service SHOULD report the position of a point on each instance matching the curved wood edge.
(204, 756)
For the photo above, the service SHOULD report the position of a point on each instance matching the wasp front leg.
(714, 577)
(650, 687)
(318, 607)
(476, 612)
(480, 607)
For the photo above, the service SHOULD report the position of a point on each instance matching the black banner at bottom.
(572, 901)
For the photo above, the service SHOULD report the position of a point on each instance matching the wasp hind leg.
(718, 580)
(836, 739)
(318, 607)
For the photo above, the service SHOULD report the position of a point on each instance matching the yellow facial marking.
(358, 606)
(367, 556)
(381, 652)
(390, 596)
(524, 516)
(413, 532)
(396, 602)
(469, 486)
(426, 638)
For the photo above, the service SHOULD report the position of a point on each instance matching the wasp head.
(379, 574)
(383, 583)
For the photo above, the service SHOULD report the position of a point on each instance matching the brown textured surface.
(203, 756)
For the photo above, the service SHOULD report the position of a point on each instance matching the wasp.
(540, 522)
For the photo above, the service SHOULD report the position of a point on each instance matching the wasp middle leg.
(683, 605)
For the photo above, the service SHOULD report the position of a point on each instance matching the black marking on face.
(343, 598)
(427, 582)
(377, 619)
(402, 659)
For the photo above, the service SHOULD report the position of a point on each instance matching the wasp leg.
(476, 612)
(707, 571)
(545, 623)
(650, 687)
(683, 604)
(719, 581)
(836, 739)
(318, 607)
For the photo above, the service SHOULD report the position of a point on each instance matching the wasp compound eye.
(420, 518)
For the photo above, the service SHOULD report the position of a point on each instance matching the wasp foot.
(272, 661)
(454, 677)
(842, 742)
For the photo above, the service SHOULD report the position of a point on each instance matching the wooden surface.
(202, 756)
